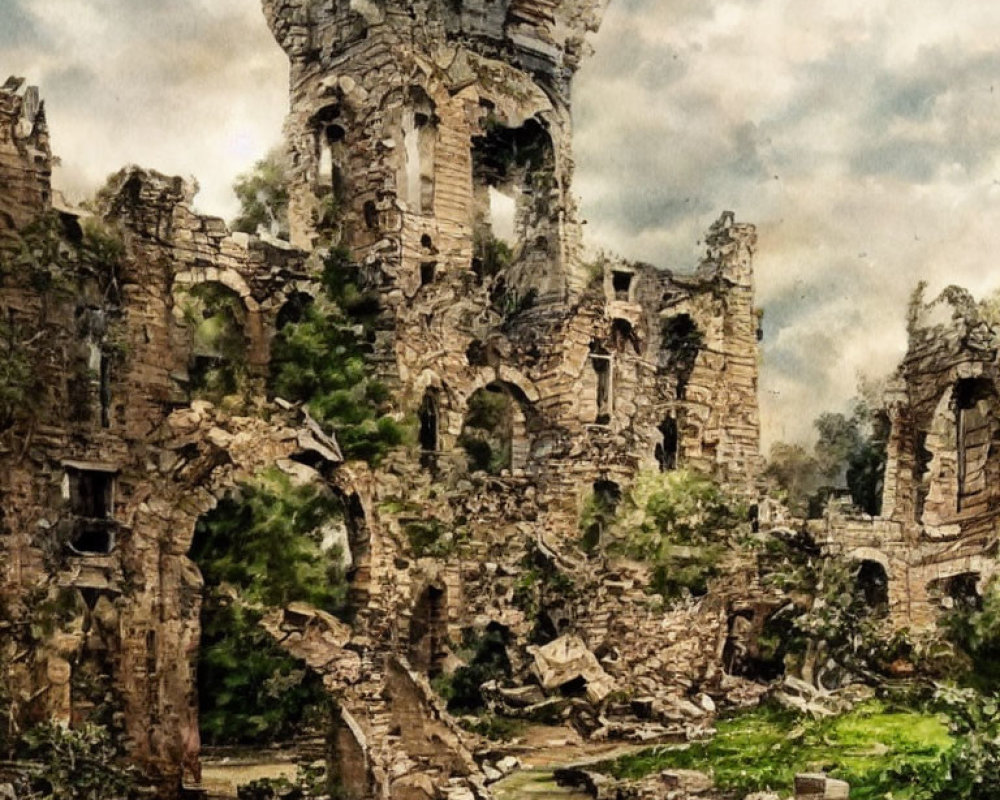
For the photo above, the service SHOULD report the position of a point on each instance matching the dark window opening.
(873, 585)
(604, 505)
(429, 429)
(488, 429)
(959, 592)
(371, 215)
(104, 390)
(335, 134)
(736, 651)
(91, 499)
(476, 354)
(93, 537)
(427, 270)
(429, 631)
(294, 310)
(91, 493)
(681, 341)
(621, 282)
(601, 362)
(623, 335)
(666, 448)
(921, 466)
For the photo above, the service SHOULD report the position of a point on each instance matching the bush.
(487, 662)
(682, 524)
(78, 764)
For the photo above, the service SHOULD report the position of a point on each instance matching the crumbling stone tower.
(430, 147)
(434, 140)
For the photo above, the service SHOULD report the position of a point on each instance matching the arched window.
(873, 585)
(429, 631)
(428, 416)
(603, 366)
(666, 448)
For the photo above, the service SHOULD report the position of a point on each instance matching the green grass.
(876, 748)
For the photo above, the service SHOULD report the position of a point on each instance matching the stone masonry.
(417, 132)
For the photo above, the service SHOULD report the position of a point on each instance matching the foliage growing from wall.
(263, 196)
(260, 550)
(75, 764)
(680, 522)
(18, 379)
(492, 255)
(322, 360)
(486, 431)
(976, 632)
(486, 657)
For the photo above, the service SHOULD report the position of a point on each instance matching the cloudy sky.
(861, 136)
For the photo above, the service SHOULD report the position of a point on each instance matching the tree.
(263, 196)
(850, 452)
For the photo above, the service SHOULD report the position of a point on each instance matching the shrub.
(76, 764)
(681, 523)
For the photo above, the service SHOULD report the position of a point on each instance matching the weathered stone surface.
(408, 123)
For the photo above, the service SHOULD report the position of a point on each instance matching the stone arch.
(495, 433)
(428, 634)
(871, 554)
(517, 380)
(228, 277)
(164, 657)
(872, 583)
(221, 332)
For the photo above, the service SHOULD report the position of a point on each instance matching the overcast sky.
(861, 136)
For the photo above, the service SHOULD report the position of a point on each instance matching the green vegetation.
(877, 748)
(312, 780)
(430, 538)
(488, 430)
(216, 320)
(680, 522)
(263, 196)
(322, 360)
(261, 550)
(77, 764)
(850, 452)
(975, 632)
(491, 255)
(18, 379)
(486, 657)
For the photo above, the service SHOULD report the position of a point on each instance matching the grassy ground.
(765, 748)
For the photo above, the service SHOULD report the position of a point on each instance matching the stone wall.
(941, 502)
(419, 138)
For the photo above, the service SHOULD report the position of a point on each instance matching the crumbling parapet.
(25, 156)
